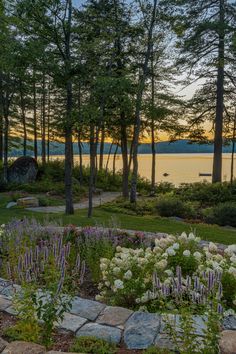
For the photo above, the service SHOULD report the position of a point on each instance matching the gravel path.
(104, 198)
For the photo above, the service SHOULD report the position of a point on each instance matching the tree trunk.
(1, 138)
(101, 156)
(80, 161)
(137, 125)
(233, 150)
(48, 125)
(124, 151)
(114, 161)
(35, 121)
(5, 148)
(153, 179)
(218, 139)
(68, 125)
(108, 157)
(43, 139)
(22, 105)
(68, 152)
(92, 169)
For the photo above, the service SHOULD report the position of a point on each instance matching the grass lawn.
(106, 218)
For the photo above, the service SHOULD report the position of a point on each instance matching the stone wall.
(137, 330)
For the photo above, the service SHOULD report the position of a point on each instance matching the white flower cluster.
(2, 229)
(129, 274)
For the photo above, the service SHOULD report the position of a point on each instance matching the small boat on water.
(165, 174)
(205, 174)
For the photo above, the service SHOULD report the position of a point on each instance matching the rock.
(229, 322)
(55, 352)
(114, 316)
(11, 310)
(19, 347)
(28, 202)
(110, 334)
(11, 205)
(86, 308)
(228, 342)
(71, 322)
(23, 170)
(4, 303)
(141, 330)
(3, 344)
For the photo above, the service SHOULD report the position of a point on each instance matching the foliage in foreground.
(92, 345)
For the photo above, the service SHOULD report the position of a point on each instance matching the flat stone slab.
(141, 330)
(86, 308)
(4, 302)
(28, 202)
(230, 323)
(110, 334)
(228, 342)
(19, 347)
(114, 316)
(3, 344)
(71, 322)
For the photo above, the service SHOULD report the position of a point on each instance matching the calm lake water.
(179, 167)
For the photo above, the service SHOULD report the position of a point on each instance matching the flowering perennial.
(175, 271)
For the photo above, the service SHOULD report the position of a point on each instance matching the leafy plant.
(169, 205)
(92, 345)
(46, 265)
(223, 214)
(156, 350)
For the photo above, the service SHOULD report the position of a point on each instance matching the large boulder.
(23, 170)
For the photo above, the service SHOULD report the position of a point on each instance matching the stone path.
(105, 197)
(137, 330)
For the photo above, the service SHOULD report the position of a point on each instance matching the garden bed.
(150, 289)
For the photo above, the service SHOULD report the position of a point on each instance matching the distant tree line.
(108, 69)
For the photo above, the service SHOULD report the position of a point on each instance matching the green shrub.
(27, 331)
(164, 187)
(156, 350)
(229, 289)
(170, 205)
(142, 207)
(223, 214)
(207, 194)
(92, 345)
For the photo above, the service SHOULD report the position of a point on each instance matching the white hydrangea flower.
(118, 284)
(233, 259)
(183, 236)
(128, 275)
(230, 250)
(157, 250)
(170, 251)
(197, 255)
(175, 246)
(116, 270)
(118, 249)
(186, 253)
(232, 270)
(212, 247)
(191, 236)
(98, 298)
(169, 272)
(162, 264)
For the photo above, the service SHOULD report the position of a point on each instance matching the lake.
(179, 167)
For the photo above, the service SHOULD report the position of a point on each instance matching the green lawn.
(106, 218)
